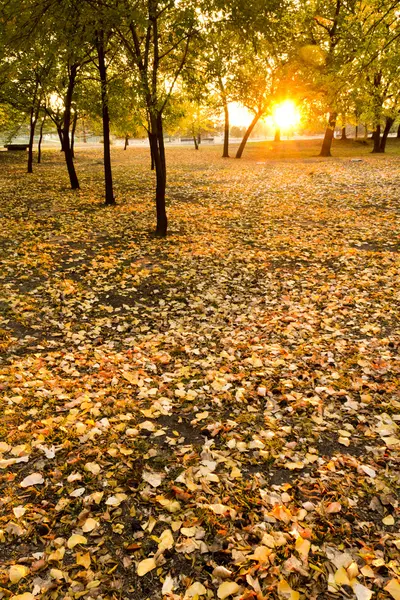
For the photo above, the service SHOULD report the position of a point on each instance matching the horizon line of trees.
(145, 67)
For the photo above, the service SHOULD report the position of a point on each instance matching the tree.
(156, 35)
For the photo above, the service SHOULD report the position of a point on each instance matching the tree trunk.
(356, 133)
(277, 137)
(33, 121)
(398, 132)
(126, 144)
(156, 138)
(388, 126)
(74, 122)
(39, 158)
(109, 200)
(328, 138)
(247, 135)
(344, 136)
(60, 136)
(196, 145)
(225, 153)
(366, 131)
(377, 140)
(65, 131)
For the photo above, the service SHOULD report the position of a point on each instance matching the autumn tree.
(156, 35)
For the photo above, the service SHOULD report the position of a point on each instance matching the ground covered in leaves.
(214, 415)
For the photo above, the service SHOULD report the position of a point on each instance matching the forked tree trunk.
(247, 135)
(126, 144)
(33, 121)
(39, 158)
(388, 126)
(277, 136)
(66, 126)
(377, 140)
(109, 192)
(328, 137)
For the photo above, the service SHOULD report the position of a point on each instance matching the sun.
(286, 115)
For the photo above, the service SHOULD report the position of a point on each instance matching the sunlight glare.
(239, 115)
(286, 115)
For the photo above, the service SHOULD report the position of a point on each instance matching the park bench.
(16, 147)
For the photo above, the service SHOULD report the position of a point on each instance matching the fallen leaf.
(76, 539)
(393, 587)
(146, 565)
(17, 572)
(228, 588)
(33, 479)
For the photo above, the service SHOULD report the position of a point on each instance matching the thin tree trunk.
(158, 153)
(196, 145)
(225, 153)
(65, 132)
(277, 136)
(126, 144)
(60, 136)
(366, 131)
(33, 121)
(344, 136)
(388, 126)
(39, 158)
(398, 132)
(328, 138)
(247, 135)
(377, 140)
(109, 200)
(74, 122)
(356, 133)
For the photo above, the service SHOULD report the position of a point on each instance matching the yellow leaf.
(303, 547)
(83, 559)
(166, 541)
(89, 525)
(389, 520)
(146, 565)
(341, 577)
(93, 468)
(17, 572)
(393, 587)
(285, 590)
(227, 589)
(261, 553)
(196, 589)
(76, 539)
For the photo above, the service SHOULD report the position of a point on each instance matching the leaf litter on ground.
(214, 415)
